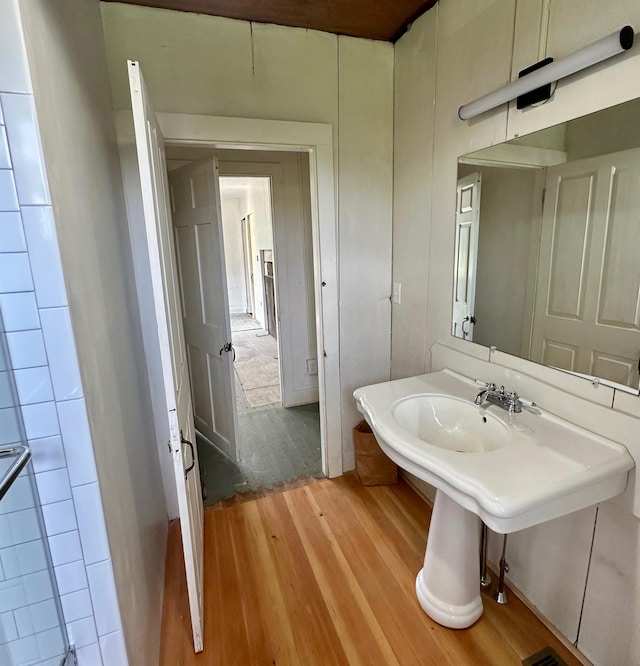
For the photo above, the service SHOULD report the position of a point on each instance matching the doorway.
(249, 258)
(267, 246)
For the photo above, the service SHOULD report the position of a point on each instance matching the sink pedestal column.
(448, 585)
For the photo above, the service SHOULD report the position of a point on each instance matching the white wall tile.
(71, 577)
(8, 194)
(8, 629)
(19, 311)
(89, 655)
(54, 661)
(40, 231)
(7, 399)
(59, 517)
(77, 442)
(38, 587)
(19, 497)
(24, 526)
(40, 420)
(9, 427)
(31, 557)
(76, 605)
(65, 548)
(26, 349)
(114, 652)
(5, 532)
(82, 632)
(93, 533)
(11, 233)
(24, 650)
(44, 616)
(12, 595)
(51, 644)
(47, 453)
(61, 351)
(103, 594)
(15, 273)
(1, 114)
(24, 623)
(34, 385)
(10, 564)
(53, 486)
(26, 154)
(627, 403)
(5, 157)
(14, 70)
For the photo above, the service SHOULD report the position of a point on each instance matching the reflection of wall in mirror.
(507, 255)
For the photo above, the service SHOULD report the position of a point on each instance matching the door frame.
(316, 139)
(247, 254)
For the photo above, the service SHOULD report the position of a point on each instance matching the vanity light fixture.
(607, 47)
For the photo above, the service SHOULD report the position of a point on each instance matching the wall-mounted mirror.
(547, 263)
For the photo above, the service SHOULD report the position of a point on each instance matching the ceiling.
(386, 20)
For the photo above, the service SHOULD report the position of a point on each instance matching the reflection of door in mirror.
(587, 313)
(466, 255)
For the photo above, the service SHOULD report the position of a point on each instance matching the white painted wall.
(232, 215)
(206, 65)
(258, 205)
(81, 156)
(481, 46)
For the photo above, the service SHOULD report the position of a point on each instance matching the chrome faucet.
(495, 395)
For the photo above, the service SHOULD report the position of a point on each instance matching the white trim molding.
(317, 140)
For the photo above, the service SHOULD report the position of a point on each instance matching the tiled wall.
(42, 351)
(30, 631)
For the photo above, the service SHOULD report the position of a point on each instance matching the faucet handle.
(491, 386)
(512, 395)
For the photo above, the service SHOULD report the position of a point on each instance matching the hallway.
(275, 445)
(256, 371)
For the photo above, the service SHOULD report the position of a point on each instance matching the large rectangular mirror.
(547, 256)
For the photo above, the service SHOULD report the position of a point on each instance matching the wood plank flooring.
(324, 574)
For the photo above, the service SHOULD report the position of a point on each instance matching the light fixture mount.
(536, 78)
(538, 95)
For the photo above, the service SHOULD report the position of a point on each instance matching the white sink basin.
(450, 423)
(512, 470)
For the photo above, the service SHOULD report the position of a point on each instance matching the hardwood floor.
(324, 574)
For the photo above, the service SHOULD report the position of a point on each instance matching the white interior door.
(466, 255)
(197, 220)
(175, 371)
(587, 315)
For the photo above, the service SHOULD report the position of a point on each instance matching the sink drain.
(546, 657)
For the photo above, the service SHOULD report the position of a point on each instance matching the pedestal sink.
(512, 470)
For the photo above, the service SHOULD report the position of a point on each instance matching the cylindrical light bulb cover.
(604, 48)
